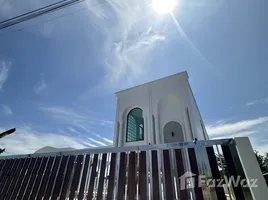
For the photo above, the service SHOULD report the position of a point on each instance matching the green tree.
(5, 134)
(263, 161)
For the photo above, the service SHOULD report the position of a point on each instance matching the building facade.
(161, 111)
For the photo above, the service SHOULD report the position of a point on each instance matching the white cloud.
(41, 85)
(7, 110)
(78, 119)
(4, 68)
(105, 139)
(27, 140)
(260, 101)
(255, 129)
(97, 142)
(238, 134)
(231, 128)
(75, 116)
(128, 40)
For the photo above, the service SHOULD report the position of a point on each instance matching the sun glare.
(163, 6)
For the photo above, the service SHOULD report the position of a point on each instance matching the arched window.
(135, 125)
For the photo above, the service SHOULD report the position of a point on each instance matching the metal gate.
(203, 170)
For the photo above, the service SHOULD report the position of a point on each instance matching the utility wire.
(56, 18)
(38, 12)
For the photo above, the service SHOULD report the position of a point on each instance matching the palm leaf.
(7, 132)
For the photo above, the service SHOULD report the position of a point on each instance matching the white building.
(161, 111)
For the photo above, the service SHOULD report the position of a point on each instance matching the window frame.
(138, 127)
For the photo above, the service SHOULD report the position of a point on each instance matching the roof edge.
(166, 77)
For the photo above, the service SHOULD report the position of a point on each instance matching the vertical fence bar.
(5, 172)
(194, 168)
(131, 176)
(76, 177)
(16, 187)
(186, 162)
(2, 163)
(92, 177)
(143, 175)
(39, 178)
(51, 178)
(208, 189)
(71, 177)
(167, 171)
(215, 173)
(96, 181)
(149, 171)
(55, 176)
(5, 181)
(31, 179)
(59, 178)
(122, 178)
(232, 172)
(227, 188)
(21, 185)
(13, 180)
(101, 178)
(43, 185)
(181, 171)
(244, 183)
(174, 174)
(84, 176)
(4, 167)
(67, 177)
(111, 177)
(155, 182)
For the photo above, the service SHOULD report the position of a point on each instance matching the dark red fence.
(168, 171)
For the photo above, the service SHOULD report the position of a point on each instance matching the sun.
(163, 6)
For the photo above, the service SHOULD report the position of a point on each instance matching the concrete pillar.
(121, 136)
(146, 130)
(251, 168)
(116, 133)
(157, 131)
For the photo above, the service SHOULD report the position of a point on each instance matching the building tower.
(161, 111)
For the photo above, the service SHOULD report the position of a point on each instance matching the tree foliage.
(263, 161)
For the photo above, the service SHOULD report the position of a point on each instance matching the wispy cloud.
(105, 139)
(234, 128)
(27, 140)
(128, 40)
(256, 129)
(97, 142)
(236, 134)
(74, 116)
(41, 85)
(77, 120)
(260, 101)
(7, 110)
(4, 68)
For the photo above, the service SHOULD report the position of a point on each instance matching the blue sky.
(59, 72)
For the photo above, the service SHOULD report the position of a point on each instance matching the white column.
(120, 138)
(116, 133)
(146, 130)
(251, 168)
(157, 131)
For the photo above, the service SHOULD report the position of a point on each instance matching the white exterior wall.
(197, 119)
(166, 99)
